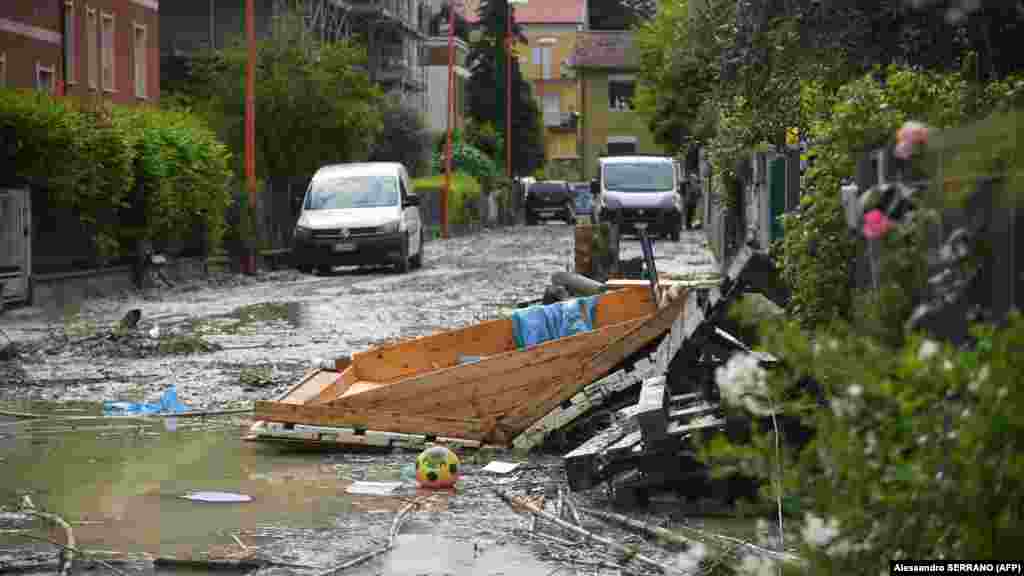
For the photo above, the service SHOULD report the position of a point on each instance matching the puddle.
(434, 555)
(120, 482)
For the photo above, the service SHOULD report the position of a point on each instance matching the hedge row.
(462, 200)
(90, 157)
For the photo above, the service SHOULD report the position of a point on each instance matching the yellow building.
(550, 27)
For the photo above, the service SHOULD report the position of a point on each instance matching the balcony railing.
(564, 120)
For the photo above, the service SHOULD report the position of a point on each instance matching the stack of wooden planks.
(650, 444)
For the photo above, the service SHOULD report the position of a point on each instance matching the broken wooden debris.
(67, 553)
(662, 534)
(396, 526)
(520, 504)
(652, 407)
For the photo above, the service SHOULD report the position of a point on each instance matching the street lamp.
(508, 85)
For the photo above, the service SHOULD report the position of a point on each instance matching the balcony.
(561, 120)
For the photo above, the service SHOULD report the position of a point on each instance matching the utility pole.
(501, 10)
(249, 266)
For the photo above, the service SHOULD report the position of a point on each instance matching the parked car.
(584, 198)
(359, 214)
(639, 192)
(550, 199)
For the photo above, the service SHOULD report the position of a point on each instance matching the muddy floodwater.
(226, 341)
(120, 484)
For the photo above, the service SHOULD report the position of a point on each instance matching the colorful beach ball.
(437, 467)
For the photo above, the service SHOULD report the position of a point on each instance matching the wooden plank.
(653, 414)
(340, 386)
(690, 412)
(433, 352)
(448, 389)
(625, 444)
(612, 354)
(326, 435)
(325, 415)
(681, 428)
(622, 305)
(311, 386)
(581, 465)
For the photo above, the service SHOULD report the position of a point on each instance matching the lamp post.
(249, 264)
(508, 84)
(451, 118)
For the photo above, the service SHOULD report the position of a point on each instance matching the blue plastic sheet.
(169, 404)
(538, 324)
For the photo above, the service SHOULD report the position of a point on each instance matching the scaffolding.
(395, 31)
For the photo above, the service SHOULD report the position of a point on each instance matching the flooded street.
(230, 340)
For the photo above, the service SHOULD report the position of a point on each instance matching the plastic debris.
(373, 488)
(217, 497)
(499, 467)
(169, 404)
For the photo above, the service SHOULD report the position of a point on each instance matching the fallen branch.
(518, 503)
(22, 415)
(656, 531)
(574, 514)
(67, 553)
(573, 548)
(396, 525)
(213, 564)
(88, 556)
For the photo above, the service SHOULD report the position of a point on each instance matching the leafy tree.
(314, 101)
(484, 100)
(404, 138)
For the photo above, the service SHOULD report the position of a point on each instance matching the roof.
(359, 169)
(611, 50)
(551, 12)
(537, 12)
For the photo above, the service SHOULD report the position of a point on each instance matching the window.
(622, 145)
(139, 68)
(542, 61)
(70, 36)
(620, 92)
(92, 51)
(44, 78)
(552, 108)
(107, 51)
(3, 69)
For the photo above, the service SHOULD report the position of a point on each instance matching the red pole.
(250, 129)
(508, 93)
(451, 119)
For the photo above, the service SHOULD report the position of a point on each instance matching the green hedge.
(465, 192)
(89, 156)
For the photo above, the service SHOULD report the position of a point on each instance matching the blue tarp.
(168, 404)
(538, 324)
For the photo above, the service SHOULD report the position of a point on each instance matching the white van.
(359, 214)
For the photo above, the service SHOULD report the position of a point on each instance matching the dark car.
(550, 200)
(584, 198)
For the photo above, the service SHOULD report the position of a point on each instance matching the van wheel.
(324, 269)
(402, 266)
(305, 269)
(531, 218)
(417, 260)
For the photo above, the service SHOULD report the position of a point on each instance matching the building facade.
(394, 32)
(606, 65)
(551, 28)
(103, 48)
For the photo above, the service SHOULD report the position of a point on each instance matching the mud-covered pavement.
(229, 340)
(232, 339)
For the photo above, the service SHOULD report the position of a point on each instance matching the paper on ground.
(373, 488)
(499, 467)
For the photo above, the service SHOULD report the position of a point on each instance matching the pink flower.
(909, 137)
(876, 224)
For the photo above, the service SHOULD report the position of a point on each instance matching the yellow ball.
(437, 467)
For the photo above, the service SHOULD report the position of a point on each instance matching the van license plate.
(344, 247)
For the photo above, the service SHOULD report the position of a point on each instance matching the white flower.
(980, 379)
(818, 532)
(690, 560)
(1002, 392)
(855, 390)
(833, 344)
(947, 365)
(871, 442)
(928, 349)
(744, 382)
(842, 407)
(757, 566)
